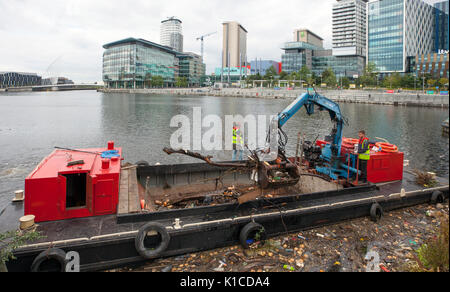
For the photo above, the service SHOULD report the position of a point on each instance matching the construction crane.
(203, 36)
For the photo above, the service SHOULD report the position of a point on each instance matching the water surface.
(31, 124)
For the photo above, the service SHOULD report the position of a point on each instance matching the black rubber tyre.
(55, 254)
(140, 238)
(376, 212)
(250, 228)
(437, 197)
(142, 163)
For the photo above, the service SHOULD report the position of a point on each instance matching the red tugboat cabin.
(74, 183)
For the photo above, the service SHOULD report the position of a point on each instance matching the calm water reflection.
(31, 124)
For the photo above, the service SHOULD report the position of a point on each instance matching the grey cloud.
(34, 33)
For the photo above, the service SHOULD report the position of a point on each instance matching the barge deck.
(108, 241)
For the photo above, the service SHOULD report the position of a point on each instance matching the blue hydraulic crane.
(332, 165)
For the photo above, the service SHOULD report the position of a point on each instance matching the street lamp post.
(423, 82)
(414, 82)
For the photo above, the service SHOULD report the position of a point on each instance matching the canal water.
(32, 124)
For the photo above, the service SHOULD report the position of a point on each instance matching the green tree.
(329, 77)
(293, 76)
(283, 75)
(345, 82)
(11, 240)
(407, 81)
(303, 73)
(369, 76)
(392, 81)
(431, 82)
(181, 82)
(148, 79)
(157, 81)
(270, 75)
(443, 82)
(250, 78)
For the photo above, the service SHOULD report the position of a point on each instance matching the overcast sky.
(65, 37)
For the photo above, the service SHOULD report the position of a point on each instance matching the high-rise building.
(234, 52)
(349, 27)
(399, 30)
(172, 34)
(441, 26)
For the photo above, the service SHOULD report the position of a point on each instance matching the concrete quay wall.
(352, 96)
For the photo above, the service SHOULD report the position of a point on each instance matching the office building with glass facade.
(441, 38)
(318, 59)
(19, 79)
(133, 63)
(233, 74)
(398, 29)
(192, 68)
(261, 66)
(434, 64)
(296, 55)
(342, 66)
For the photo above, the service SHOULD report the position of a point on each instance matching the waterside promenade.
(404, 98)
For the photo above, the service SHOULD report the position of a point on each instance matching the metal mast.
(202, 37)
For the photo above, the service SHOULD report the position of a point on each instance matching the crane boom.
(309, 101)
(201, 39)
(331, 152)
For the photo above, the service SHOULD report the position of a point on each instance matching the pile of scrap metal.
(279, 173)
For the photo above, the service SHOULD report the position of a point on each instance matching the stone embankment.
(404, 98)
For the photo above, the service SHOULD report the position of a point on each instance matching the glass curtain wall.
(341, 65)
(386, 35)
(293, 61)
(119, 66)
(133, 65)
(154, 62)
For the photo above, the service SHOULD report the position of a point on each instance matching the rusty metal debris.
(279, 173)
(207, 159)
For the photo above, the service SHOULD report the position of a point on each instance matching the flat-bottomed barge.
(204, 214)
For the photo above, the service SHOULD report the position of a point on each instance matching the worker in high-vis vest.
(363, 155)
(238, 142)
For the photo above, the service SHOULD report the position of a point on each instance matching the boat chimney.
(105, 163)
(110, 145)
